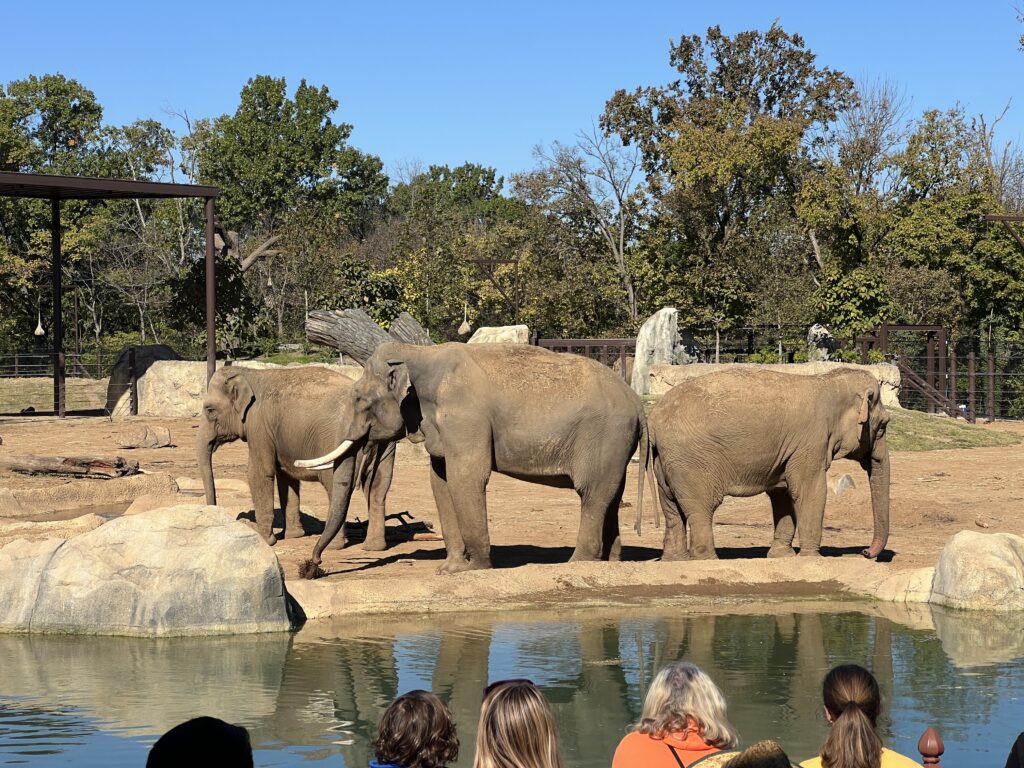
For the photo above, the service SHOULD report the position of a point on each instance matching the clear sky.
(450, 82)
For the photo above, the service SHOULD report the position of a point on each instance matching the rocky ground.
(934, 495)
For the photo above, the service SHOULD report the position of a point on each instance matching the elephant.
(745, 432)
(556, 419)
(283, 415)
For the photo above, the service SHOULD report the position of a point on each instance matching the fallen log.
(404, 328)
(350, 331)
(74, 466)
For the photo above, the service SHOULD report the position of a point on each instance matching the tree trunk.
(80, 466)
(404, 328)
(350, 331)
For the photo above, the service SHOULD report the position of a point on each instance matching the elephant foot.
(583, 557)
(703, 553)
(781, 550)
(338, 542)
(810, 552)
(269, 537)
(460, 565)
(375, 544)
(294, 533)
(615, 553)
(675, 556)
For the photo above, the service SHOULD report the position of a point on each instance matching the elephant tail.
(645, 463)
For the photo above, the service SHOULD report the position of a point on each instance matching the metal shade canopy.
(57, 188)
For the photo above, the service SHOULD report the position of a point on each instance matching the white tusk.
(324, 462)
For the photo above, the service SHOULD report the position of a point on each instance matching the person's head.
(417, 731)
(682, 698)
(202, 742)
(517, 728)
(852, 706)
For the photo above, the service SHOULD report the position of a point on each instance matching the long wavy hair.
(517, 729)
(854, 702)
(417, 731)
(682, 697)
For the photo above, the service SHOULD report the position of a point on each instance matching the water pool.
(313, 698)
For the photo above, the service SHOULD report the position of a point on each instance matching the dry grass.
(37, 393)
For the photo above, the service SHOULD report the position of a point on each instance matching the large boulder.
(176, 387)
(664, 377)
(501, 334)
(186, 570)
(118, 395)
(980, 571)
(655, 344)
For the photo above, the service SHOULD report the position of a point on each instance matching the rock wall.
(507, 334)
(187, 570)
(176, 388)
(655, 345)
(663, 377)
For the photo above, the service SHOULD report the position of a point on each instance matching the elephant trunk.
(341, 494)
(877, 466)
(206, 444)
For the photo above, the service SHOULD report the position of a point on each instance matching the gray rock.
(83, 493)
(821, 344)
(656, 343)
(506, 334)
(187, 570)
(980, 571)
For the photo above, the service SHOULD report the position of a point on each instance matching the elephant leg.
(468, 489)
(698, 513)
(261, 477)
(808, 489)
(288, 493)
(674, 547)
(598, 537)
(453, 541)
(376, 481)
(784, 516)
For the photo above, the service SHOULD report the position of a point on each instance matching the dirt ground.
(934, 495)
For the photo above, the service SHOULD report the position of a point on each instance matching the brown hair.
(853, 700)
(517, 729)
(417, 731)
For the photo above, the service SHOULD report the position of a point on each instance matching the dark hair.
(417, 731)
(852, 698)
(204, 741)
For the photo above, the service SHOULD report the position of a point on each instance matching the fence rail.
(18, 365)
(610, 352)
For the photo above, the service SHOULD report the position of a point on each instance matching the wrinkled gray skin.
(285, 415)
(555, 419)
(745, 432)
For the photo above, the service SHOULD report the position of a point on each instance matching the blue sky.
(447, 82)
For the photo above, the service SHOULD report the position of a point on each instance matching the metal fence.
(26, 381)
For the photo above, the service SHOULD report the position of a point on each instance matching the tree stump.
(350, 331)
(405, 329)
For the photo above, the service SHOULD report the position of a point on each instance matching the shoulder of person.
(892, 759)
(812, 762)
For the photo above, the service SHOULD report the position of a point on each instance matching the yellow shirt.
(890, 759)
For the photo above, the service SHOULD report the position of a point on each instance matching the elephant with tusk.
(750, 431)
(283, 415)
(555, 419)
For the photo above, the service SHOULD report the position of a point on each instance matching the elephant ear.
(865, 407)
(240, 393)
(398, 379)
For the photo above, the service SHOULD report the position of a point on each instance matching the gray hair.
(682, 692)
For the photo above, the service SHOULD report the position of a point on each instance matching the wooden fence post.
(952, 380)
(133, 383)
(930, 746)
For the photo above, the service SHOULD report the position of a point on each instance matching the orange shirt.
(638, 750)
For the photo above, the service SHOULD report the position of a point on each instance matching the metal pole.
(991, 386)
(58, 322)
(952, 380)
(133, 384)
(211, 296)
(930, 367)
(972, 387)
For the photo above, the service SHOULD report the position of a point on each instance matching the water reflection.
(306, 698)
